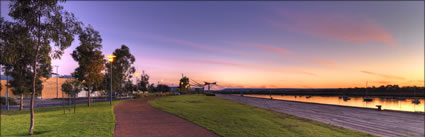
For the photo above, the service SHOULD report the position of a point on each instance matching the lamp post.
(137, 83)
(111, 59)
(137, 75)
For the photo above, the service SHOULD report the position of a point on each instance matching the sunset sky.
(262, 44)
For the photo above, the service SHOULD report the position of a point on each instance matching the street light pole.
(110, 101)
(111, 60)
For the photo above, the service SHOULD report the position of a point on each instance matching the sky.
(273, 44)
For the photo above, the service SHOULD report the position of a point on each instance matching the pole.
(270, 92)
(110, 101)
(366, 88)
(0, 80)
(7, 92)
(57, 82)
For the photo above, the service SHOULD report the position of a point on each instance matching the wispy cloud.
(264, 47)
(190, 44)
(383, 75)
(283, 52)
(319, 61)
(418, 82)
(381, 82)
(216, 62)
(305, 73)
(333, 26)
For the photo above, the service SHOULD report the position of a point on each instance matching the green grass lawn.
(98, 120)
(231, 119)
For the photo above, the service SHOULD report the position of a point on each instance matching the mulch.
(136, 118)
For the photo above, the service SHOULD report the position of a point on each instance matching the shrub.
(143, 95)
(12, 101)
(210, 94)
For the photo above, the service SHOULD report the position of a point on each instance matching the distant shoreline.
(359, 92)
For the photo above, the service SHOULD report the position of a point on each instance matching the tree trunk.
(88, 96)
(63, 103)
(74, 102)
(31, 130)
(21, 104)
(69, 104)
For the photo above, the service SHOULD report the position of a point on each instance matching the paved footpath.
(381, 123)
(136, 118)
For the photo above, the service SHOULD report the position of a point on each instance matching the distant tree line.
(384, 90)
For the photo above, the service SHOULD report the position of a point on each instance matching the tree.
(144, 82)
(2, 34)
(72, 88)
(184, 84)
(47, 24)
(20, 66)
(163, 88)
(122, 68)
(151, 88)
(90, 60)
(128, 86)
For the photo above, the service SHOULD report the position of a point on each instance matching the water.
(386, 103)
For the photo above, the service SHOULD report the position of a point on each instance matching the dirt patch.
(289, 126)
(89, 124)
(193, 101)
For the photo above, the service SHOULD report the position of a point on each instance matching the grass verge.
(231, 119)
(97, 120)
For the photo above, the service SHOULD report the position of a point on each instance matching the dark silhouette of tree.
(163, 88)
(128, 86)
(144, 82)
(90, 60)
(184, 84)
(122, 69)
(152, 88)
(47, 24)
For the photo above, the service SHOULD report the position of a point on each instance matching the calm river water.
(386, 103)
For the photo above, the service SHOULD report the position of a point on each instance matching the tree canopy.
(184, 84)
(122, 68)
(144, 82)
(72, 87)
(163, 88)
(90, 60)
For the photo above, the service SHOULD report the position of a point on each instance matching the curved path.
(136, 118)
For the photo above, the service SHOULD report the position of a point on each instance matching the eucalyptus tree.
(19, 64)
(122, 68)
(2, 36)
(90, 60)
(51, 30)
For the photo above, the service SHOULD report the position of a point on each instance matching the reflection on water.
(386, 103)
